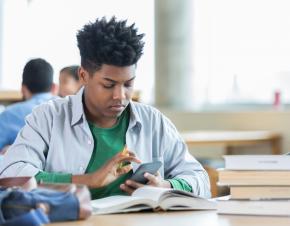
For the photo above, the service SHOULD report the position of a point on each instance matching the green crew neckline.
(115, 128)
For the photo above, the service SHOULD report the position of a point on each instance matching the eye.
(128, 84)
(108, 86)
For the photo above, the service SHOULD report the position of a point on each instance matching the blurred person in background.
(69, 82)
(37, 87)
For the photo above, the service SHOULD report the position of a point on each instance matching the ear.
(54, 89)
(23, 89)
(25, 92)
(83, 75)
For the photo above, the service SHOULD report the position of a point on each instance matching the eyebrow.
(111, 80)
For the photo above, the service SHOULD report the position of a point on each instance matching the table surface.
(178, 218)
(230, 139)
(227, 136)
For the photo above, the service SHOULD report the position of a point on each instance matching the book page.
(158, 194)
(187, 203)
(120, 203)
(174, 199)
(150, 192)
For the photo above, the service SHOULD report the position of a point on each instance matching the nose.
(119, 93)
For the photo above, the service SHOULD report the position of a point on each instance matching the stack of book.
(259, 185)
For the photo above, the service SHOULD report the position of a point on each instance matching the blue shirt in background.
(12, 119)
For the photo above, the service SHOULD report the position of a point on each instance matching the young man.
(69, 82)
(80, 139)
(37, 87)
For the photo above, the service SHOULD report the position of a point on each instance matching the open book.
(148, 197)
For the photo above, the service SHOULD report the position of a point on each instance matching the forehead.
(65, 76)
(115, 73)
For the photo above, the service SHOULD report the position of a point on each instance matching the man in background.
(69, 82)
(37, 87)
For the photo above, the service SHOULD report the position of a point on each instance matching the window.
(47, 28)
(241, 51)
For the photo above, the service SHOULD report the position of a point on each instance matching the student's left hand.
(153, 180)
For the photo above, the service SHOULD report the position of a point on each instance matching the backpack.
(22, 205)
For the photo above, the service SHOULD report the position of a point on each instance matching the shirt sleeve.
(6, 136)
(179, 163)
(53, 177)
(27, 155)
(180, 184)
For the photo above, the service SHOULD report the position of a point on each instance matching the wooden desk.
(230, 139)
(10, 96)
(180, 218)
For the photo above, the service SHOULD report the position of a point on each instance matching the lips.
(117, 107)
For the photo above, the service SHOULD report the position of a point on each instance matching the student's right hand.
(110, 171)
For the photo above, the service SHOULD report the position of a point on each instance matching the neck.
(27, 95)
(99, 120)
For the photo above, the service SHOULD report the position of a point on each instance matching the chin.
(114, 114)
(118, 114)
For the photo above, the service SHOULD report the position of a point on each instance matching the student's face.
(108, 90)
(67, 84)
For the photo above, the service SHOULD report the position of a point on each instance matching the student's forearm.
(85, 179)
(46, 177)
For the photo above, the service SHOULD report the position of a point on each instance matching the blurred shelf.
(10, 96)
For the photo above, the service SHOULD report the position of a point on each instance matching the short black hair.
(109, 42)
(38, 76)
(72, 71)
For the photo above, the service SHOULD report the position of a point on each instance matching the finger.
(128, 158)
(127, 189)
(151, 178)
(133, 184)
(124, 169)
(132, 154)
(117, 160)
(129, 153)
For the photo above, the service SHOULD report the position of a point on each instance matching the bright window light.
(47, 28)
(241, 51)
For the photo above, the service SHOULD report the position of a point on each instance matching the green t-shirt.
(108, 142)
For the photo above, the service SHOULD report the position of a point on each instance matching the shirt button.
(89, 142)
(81, 169)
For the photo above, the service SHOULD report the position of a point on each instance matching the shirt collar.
(42, 96)
(134, 117)
(77, 106)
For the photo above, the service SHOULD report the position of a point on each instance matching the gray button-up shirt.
(57, 138)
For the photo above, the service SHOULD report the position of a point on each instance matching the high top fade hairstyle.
(109, 42)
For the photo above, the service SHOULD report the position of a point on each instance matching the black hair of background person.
(38, 76)
(72, 71)
(109, 43)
